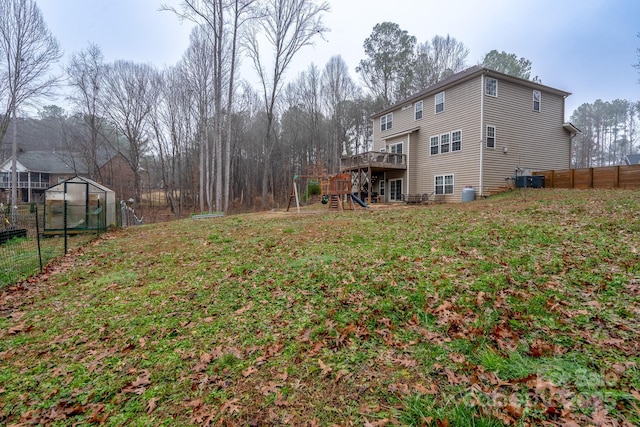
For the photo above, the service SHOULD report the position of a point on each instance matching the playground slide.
(358, 201)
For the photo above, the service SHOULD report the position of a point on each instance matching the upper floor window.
(491, 87)
(491, 137)
(396, 148)
(456, 140)
(439, 102)
(386, 122)
(418, 110)
(444, 143)
(536, 100)
(435, 145)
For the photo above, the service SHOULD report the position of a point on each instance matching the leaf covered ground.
(522, 309)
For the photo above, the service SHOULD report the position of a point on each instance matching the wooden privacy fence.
(625, 176)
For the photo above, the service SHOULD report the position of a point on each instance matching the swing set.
(335, 190)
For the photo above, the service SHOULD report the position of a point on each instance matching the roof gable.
(7, 166)
(632, 159)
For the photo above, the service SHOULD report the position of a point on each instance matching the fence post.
(571, 179)
(38, 237)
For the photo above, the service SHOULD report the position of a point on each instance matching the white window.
(491, 137)
(382, 187)
(456, 140)
(439, 102)
(443, 184)
(435, 145)
(396, 148)
(418, 110)
(386, 122)
(536, 100)
(395, 190)
(445, 146)
(491, 87)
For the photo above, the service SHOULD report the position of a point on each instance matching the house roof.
(60, 162)
(632, 159)
(571, 128)
(52, 162)
(463, 76)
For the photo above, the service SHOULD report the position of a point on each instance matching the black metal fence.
(24, 249)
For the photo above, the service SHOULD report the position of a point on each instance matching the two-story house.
(477, 128)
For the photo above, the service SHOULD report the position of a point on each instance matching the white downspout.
(408, 160)
(481, 135)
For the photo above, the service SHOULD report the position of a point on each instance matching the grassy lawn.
(508, 311)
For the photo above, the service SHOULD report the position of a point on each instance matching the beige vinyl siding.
(403, 119)
(534, 140)
(461, 113)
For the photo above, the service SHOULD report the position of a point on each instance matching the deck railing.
(374, 159)
(26, 184)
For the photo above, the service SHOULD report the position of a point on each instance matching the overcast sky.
(586, 47)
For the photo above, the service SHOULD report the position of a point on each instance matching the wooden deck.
(375, 160)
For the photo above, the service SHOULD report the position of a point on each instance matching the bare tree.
(197, 65)
(288, 26)
(130, 92)
(86, 78)
(27, 51)
(172, 125)
(338, 90)
(220, 21)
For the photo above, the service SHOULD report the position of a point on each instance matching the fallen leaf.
(325, 369)
(514, 410)
(245, 308)
(231, 406)
(480, 298)
(98, 416)
(540, 348)
(457, 357)
(407, 362)
(22, 327)
(139, 385)
(205, 358)
(379, 423)
(151, 405)
(271, 387)
(128, 348)
(423, 390)
(250, 370)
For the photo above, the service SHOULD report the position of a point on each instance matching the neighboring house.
(39, 170)
(117, 174)
(632, 159)
(472, 129)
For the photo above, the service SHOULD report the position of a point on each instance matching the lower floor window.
(382, 187)
(395, 189)
(444, 184)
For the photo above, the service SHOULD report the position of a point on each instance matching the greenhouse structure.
(78, 204)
